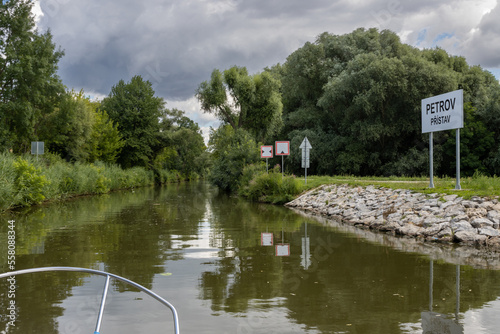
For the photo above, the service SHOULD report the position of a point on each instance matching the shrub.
(270, 187)
(29, 183)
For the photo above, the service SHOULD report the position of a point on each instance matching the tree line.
(131, 126)
(357, 98)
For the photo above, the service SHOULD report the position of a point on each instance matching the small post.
(457, 186)
(282, 166)
(431, 159)
(267, 165)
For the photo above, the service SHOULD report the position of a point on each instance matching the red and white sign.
(266, 151)
(282, 148)
(283, 250)
(266, 239)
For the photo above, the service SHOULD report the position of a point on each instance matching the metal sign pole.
(282, 166)
(457, 186)
(431, 159)
(305, 151)
(267, 165)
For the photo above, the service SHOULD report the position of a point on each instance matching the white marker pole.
(457, 186)
(282, 166)
(431, 159)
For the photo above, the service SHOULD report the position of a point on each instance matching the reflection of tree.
(129, 232)
(250, 271)
(351, 286)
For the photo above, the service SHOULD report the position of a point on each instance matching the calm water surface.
(203, 252)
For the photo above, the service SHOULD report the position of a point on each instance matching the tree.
(29, 86)
(232, 150)
(184, 149)
(105, 142)
(252, 103)
(67, 130)
(136, 110)
(357, 97)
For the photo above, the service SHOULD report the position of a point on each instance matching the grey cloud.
(484, 46)
(176, 44)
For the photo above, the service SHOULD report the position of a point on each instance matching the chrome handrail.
(105, 292)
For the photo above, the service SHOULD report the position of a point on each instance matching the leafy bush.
(270, 187)
(29, 183)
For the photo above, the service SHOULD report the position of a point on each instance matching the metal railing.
(105, 291)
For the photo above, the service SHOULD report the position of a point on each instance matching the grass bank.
(26, 180)
(257, 185)
(477, 185)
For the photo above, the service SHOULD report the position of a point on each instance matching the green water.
(202, 251)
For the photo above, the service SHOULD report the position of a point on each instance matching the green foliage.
(476, 145)
(269, 187)
(28, 182)
(136, 110)
(68, 129)
(232, 151)
(25, 181)
(29, 86)
(105, 142)
(358, 96)
(252, 103)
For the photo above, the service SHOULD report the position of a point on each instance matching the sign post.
(266, 152)
(37, 147)
(306, 149)
(443, 112)
(282, 148)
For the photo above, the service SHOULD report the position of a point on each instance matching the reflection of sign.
(282, 148)
(306, 253)
(438, 323)
(283, 250)
(443, 112)
(266, 239)
(266, 151)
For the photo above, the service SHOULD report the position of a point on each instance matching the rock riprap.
(435, 217)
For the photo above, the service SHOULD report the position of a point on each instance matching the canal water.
(229, 266)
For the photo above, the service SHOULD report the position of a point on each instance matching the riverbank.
(425, 217)
(26, 180)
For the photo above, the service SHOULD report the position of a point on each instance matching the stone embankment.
(441, 218)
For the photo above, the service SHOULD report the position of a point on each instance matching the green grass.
(478, 185)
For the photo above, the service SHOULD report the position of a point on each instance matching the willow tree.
(248, 102)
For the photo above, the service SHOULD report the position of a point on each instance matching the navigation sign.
(306, 149)
(283, 250)
(443, 112)
(266, 239)
(306, 144)
(282, 148)
(37, 147)
(266, 151)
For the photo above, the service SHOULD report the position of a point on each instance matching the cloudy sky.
(176, 44)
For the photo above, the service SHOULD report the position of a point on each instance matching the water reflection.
(205, 252)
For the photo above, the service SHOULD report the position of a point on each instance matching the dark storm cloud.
(176, 44)
(484, 45)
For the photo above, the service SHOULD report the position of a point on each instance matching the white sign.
(282, 148)
(266, 151)
(305, 144)
(306, 150)
(37, 147)
(266, 239)
(283, 250)
(443, 112)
